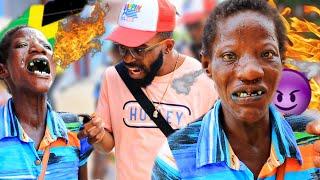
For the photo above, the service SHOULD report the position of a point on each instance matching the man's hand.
(94, 130)
(314, 128)
(100, 138)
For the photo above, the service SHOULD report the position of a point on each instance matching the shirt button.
(37, 162)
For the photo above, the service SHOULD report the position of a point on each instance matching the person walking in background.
(194, 15)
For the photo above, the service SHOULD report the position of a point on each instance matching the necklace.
(157, 106)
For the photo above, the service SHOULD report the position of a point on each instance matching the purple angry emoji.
(293, 94)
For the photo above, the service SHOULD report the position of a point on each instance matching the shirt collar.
(214, 147)
(12, 128)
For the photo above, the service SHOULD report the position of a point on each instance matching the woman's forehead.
(243, 19)
(246, 24)
(30, 33)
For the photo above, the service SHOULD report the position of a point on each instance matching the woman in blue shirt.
(243, 136)
(34, 140)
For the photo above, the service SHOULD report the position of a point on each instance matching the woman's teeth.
(245, 94)
(41, 73)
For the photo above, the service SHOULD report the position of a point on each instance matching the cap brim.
(130, 37)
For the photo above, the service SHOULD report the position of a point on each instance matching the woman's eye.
(47, 47)
(21, 45)
(268, 54)
(228, 57)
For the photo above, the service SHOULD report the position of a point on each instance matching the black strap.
(143, 100)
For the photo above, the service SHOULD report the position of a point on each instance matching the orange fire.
(300, 47)
(315, 99)
(303, 48)
(78, 36)
(310, 9)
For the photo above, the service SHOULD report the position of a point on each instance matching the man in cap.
(175, 84)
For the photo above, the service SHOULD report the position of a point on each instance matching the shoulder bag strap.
(143, 100)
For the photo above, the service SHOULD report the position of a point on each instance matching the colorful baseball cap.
(140, 20)
(195, 10)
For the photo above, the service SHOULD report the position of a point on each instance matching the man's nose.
(129, 58)
(250, 70)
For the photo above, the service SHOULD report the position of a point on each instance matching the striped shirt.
(20, 160)
(202, 151)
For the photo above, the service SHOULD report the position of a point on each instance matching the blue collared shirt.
(202, 151)
(20, 160)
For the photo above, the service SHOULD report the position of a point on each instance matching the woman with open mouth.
(34, 141)
(243, 136)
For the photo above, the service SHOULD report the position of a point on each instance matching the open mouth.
(246, 93)
(39, 66)
(135, 70)
(286, 109)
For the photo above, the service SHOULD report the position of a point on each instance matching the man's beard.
(150, 74)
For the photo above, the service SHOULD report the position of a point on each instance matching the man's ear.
(4, 73)
(170, 44)
(206, 64)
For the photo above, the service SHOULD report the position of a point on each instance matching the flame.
(315, 99)
(303, 48)
(286, 11)
(310, 9)
(300, 47)
(272, 3)
(78, 36)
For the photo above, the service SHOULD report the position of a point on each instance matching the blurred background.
(76, 88)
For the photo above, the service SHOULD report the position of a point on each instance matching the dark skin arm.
(98, 136)
(83, 172)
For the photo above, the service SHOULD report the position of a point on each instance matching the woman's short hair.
(231, 7)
